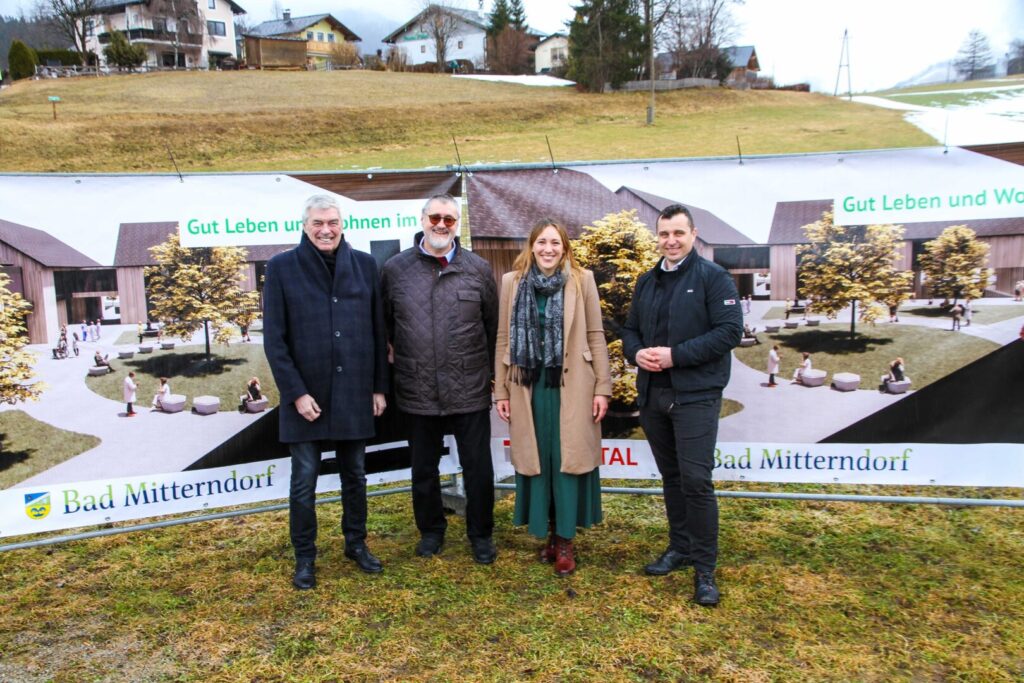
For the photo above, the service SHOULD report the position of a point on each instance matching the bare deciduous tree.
(441, 23)
(975, 57)
(694, 31)
(70, 18)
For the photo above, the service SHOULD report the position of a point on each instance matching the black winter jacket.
(442, 324)
(705, 324)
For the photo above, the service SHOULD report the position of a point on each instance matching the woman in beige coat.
(552, 385)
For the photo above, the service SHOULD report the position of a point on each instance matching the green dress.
(572, 500)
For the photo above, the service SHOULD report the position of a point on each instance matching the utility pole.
(649, 10)
(844, 62)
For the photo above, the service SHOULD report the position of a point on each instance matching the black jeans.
(682, 438)
(351, 457)
(473, 437)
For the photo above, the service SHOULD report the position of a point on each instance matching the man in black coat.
(324, 336)
(683, 323)
(441, 306)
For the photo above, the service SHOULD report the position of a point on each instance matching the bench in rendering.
(205, 405)
(166, 346)
(145, 348)
(173, 403)
(846, 381)
(125, 354)
(99, 370)
(256, 406)
(813, 378)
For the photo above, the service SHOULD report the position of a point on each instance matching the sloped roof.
(558, 34)
(111, 6)
(710, 228)
(43, 247)
(471, 17)
(282, 27)
(791, 217)
(506, 204)
(135, 239)
(739, 57)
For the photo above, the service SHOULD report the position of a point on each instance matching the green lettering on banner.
(1008, 195)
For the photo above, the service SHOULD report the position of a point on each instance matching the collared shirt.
(449, 256)
(668, 269)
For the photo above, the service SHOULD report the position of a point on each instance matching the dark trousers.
(351, 456)
(472, 433)
(682, 438)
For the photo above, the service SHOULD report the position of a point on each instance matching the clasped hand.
(654, 359)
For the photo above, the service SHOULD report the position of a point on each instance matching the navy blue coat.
(324, 336)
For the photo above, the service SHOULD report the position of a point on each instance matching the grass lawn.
(811, 592)
(982, 315)
(929, 354)
(224, 376)
(346, 120)
(20, 454)
(953, 87)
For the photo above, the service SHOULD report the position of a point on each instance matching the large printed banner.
(77, 246)
(904, 464)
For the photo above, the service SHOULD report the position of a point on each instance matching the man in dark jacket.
(441, 306)
(683, 323)
(324, 337)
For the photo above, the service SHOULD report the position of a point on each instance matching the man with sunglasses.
(441, 312)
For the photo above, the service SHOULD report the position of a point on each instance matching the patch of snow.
(537, 81)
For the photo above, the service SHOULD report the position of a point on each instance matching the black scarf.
(531, 347)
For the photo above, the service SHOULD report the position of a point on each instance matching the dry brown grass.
(341, 120)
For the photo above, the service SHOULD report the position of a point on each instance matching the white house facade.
(468, 42)
(552, 53)
(175, 33)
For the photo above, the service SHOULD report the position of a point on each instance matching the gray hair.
(447, 199)
(320, 201)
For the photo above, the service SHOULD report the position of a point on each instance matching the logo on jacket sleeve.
(37, 505)
(729, 302)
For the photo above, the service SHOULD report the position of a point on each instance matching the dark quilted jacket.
(442, 324)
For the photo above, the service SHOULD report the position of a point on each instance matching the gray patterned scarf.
(533, 349)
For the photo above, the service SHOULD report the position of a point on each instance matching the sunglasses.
(436, 218)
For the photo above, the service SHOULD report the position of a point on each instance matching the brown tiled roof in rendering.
(135, 239)
(43, 247)
(710, 228)
(791, 217)
(506, 204)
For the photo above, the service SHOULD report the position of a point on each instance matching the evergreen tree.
(954, 263)
(517, 15)
(21, 60)
(15, 363)
(499, 18)
(122, 54)
(605, 43)
(975, 57)
(200, 288)
(844, 265)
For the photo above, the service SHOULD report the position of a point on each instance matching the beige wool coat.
(585, 374)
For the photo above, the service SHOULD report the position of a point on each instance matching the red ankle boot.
(565, 560)
(548, 553)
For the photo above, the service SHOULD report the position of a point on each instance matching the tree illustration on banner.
(954, 263)
(618, 249)
(15, 363)
(199, 288)
(847, 265)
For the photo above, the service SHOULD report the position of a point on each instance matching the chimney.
(287, 15)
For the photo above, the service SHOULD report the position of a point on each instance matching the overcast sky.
(796, 40)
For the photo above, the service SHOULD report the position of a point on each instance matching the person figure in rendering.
(552, 385)
(325, 342)
(100, 360)
(957, 312)
(897, 373)
(140, 329)
(968, 312)
(805, 365)
(442, 316)
(253, 392)
(773, 365)
(161, 393)
(683, 323)
(128, 389)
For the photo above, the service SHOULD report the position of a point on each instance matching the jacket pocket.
(469, 305)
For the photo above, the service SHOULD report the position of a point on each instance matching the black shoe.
(430, 546)
(705, 591)
(305, 575)
(484, 551)
(669, 561)
(364, 559)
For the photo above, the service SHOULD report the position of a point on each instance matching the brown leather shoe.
(565, 559)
